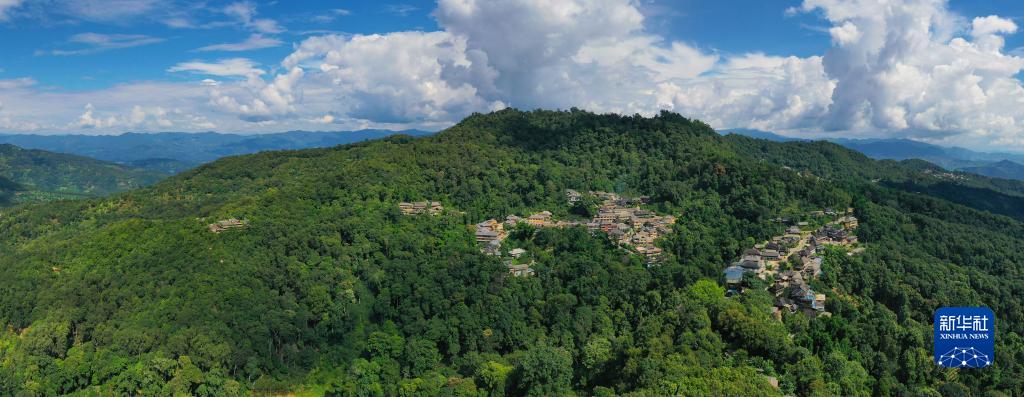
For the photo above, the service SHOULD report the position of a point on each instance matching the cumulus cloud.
(259, 101)
(254, 42)
(909, 68)
(398, 77)
(243, 67)
(87, 120)
(910, 71)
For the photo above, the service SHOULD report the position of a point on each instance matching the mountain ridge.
(41, 175)
(187, 150)
(952, 158)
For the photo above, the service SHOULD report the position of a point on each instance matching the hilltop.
(43, 176)
(315, 271)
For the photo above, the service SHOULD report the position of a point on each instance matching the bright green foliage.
(330, 288)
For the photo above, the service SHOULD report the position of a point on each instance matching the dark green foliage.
(45, 176)
(331, 290)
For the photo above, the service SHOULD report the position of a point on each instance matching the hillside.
(994, 165)
(172, 152)
(1005, 169)
(43, 176)
(325, 287)
(8, 189)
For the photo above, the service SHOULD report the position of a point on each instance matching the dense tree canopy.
(330, 290)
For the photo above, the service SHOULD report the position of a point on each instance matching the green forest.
(329, 290)
(33, 176)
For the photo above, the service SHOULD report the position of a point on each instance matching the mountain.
(175, 151)
(759, 134)
(43, 176)
(322, 285)
(997, 165)
(1003, 169)
(8, 191)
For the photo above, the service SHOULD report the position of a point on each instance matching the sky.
(943, 72)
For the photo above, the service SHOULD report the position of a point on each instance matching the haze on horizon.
(941, 72)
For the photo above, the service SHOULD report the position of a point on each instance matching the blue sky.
(799, 67)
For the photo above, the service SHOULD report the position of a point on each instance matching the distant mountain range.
(996, 165)
(173, 152)
(28, 175)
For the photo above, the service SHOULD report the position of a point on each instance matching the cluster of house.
(421, 207)
(628, 225)
(491, 233)
(621, 218)
(790, 287)
(226, 224)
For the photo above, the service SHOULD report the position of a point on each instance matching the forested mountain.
(173, 152)
(328, 289)
(996, 165)
(1002, 169)
(8, 188)
(44, 176)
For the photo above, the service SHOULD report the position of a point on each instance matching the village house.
(733, 276)
(489, 230)
(652, 254)
(770, 255)
(522, 270)
(226, 224)
(492, 247)
(516, 252)
(421, 207)
(751, 265)
(573, 196)
(539, 219)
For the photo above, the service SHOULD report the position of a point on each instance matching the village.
(622, 219)
(790, 261)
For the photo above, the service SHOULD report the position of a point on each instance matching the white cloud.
(225, 68)
(907, 68)
(259, 101)
(245, 13)
(6, 5)
(98, 42)
(109, 10)
(88, 121)
(909, 72)
(254, 42)
(398, 77)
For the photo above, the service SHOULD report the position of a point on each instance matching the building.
(492, 247)
(539, 219)
(770, 255)
(421, 207)
(573, 196)
(733, 275)
(819, 302)
(486, 235)
(517, 252)
(226, 224)
(523, 270)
